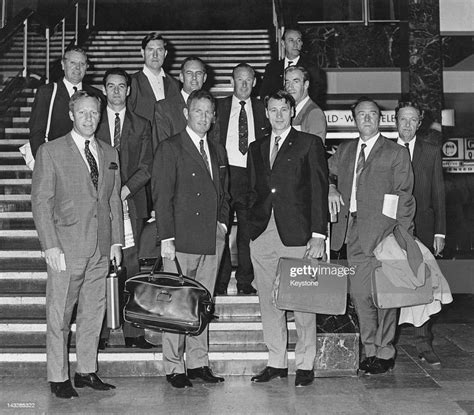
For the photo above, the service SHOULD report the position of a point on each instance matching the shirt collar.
(301, 105)
(369, 143)
(411, 142)
(80, 139)
(196, 138)
(236, 101)
(295, 61)
(70, 86)
(282, 136)
(112, 112)
(185, 95)
(148, 72)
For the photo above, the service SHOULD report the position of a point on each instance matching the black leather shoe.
(246, 290)
(366, 363)
(430, 357)
(63, 389)
(92, 380)
(139, 342)
(103, 343)
(204, 373)
(270, 373)
(379, 366)
(179, 380)
(304, 377)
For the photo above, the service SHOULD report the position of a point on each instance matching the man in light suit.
(130, 134)
(371, 189)
(74, 64)
(430, 217)
(240, 121)
(309, 118)
(189, 184)
(152, 83)
(77, 211)
(287, 218)
(169, 118)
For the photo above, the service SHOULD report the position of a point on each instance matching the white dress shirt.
(111, 118)
(156, 82)
(294, 62)
(81, 145)
(185, 96)
(70, 87)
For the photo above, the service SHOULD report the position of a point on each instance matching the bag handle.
(159, 262)
(50, 113)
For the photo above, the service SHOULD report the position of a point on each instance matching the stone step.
(16, 173)
(18, 243)
(15, 154)
(26, 264)
(16, 215)
(9, 205)
(23, 282)
(184, 48)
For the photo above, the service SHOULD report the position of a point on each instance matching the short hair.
(152, 36)
(411, 104)
(191, 59)
(201, 94)
(291, 29)
(74, 48)
(280, 95)
(364, 99)
(292, 68)
(243, 65)
(116, 71)
(82, 94)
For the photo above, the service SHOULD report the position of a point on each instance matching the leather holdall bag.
(169, 302)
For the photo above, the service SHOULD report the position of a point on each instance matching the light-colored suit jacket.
(311, 119)
(68, 211)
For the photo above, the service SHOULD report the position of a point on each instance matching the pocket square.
(113, 166)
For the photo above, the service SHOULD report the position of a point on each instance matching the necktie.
(243, 130)
(75, 89)
(360, 164)
(117, 131)
(274, 153)
(204, 155)
(407, 145)
(289, 63)
(92, 164)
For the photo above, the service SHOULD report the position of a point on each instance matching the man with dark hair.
(428, 190)
(371, 189)
(240, 121)
(74, 64)
(130, 134)
(288, 184)
(152, 83)
(189, 185)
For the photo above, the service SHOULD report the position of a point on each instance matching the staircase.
(236, 341)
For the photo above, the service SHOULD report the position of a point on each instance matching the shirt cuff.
(166, 240)
(318, 235)
(440, 235)
(225, 227)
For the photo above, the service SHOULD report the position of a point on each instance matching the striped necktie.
(360, 165)
(243, 130)
(204, 155)
(117, 132)
(274, 153)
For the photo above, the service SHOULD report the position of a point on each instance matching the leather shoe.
(246, 290)
(63, 389)
(179, 380)
(379, 366)
(204, 373)
(270, 373)
(430, 357)
(366, 363)
(139, 342)
(92, 380)
(304, 377)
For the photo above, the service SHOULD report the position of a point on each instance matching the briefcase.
(169, 302)
(311, 286)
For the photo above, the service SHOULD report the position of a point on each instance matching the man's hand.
(124, 193)
(438, 245)
(335, 200)
(116, 253)
(315, 248)
(168, 249)
(53, 258)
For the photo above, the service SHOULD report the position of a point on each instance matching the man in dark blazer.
(76, 205)
(74, 64)
(130, 134)
(169, 119)
(189, 184)
(273, 78)
(288, 185)
(428, 190)
(371, 190)
(152, 83)
(240, 121)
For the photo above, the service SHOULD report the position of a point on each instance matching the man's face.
(85, 116)
(154, 54)
(192, 76)
(279, 113)
(408, 122)
(200, 116)
(116, 90)
(296, 86)
(293, 44)
(243, 81)
(74, 66)
(367, 119)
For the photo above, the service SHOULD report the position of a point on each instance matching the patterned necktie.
(75, 89)
(92, 164)
(117, 132)
(360, 164)
(274, 153)
(204, 155)
(243, 130)
(407, 145)
(289, 63)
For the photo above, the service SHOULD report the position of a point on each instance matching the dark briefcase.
(168, 302)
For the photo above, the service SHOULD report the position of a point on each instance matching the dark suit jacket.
(142, 99)
(136, 158)
(61, 123)
(188, 203)
(430, 217)
(273, 79)
(296, 188)
(387, 170)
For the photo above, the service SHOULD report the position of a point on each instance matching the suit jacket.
(311, 119)
(296, 188)
(61, 123)
(136, 158)
(430, 216)
(387, 170)
(188, 203)
(68, 211)
(142, 98)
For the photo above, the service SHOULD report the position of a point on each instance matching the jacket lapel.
(189, 146)
(287, 144)
(417, 152)
(80, 160)
(214, 165)
(265, 152)
(375, 149)
(224, 123)
(100, 153)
